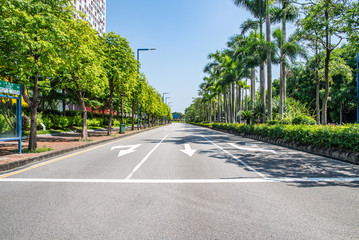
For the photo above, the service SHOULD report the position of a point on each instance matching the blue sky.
(184, 32)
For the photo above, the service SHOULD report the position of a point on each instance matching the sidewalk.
(60, 143)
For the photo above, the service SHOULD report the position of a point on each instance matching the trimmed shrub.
(342, 137)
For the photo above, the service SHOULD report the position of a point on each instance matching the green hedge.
(342, 137)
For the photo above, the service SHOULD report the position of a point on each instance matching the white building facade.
(95, 11)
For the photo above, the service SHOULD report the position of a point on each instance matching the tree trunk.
(284, 40)
(84, 135)
(122, 120)
(233, 119)
(262, 91)
(140, 119)
(214, 112)
(210, 112)
(238, 118)
(64, 103)
(246, 97)
(109, 129)
(225, 105)
(133, 115)
(269, 63)
(229, 104)
(326, 73)
(34, 104)
(253, 87)
(317, 88)
(240, 102)
(281, 94)
(33, 134)
(219, 108)
(341, 114)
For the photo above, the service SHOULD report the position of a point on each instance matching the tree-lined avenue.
(147, 187)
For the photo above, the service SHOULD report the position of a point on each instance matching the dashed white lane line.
(234, 157)
(182, 181)
(145, 159)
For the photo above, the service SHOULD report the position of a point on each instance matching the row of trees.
(322, 25)
(44, 48)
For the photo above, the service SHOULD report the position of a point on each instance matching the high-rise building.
(95, 11)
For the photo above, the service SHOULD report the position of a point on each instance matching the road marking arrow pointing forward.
(124, 152)
(187, 150)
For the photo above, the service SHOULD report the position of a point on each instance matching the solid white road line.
(242, 180)
(239, 160)
(144, 160)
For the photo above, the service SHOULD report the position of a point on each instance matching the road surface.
(182, 182)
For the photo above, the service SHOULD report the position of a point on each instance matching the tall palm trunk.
(210, 111)
(233, 119)
(238, 119)
(281, 92)
(214, 112)
(229, 104)
(284, 40)
(246, 97)
(219, 108)
(225, 105)
(269, 63)
(262, 91)
(261, 77)
(253, 87)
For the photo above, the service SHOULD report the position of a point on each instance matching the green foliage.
(4, 126)
(342, 137)
(94, 122)
(60, 122)
(273, 122)
(246, 115)
(285, 121)
(302, 119)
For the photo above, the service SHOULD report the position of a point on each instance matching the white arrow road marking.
(187, 150)
(252, 149)
(124, 152)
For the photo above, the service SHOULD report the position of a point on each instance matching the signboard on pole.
(13, 89)
(10, 88)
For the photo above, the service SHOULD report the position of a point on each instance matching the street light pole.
(138, 70)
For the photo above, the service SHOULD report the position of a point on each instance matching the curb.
(335, 153)
(22, 162)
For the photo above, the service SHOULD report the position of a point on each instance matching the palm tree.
(258, 9)
(287, 13)
(290, 49)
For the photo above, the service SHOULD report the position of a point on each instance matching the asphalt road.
(182, 182)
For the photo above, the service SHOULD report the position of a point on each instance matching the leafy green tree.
(121, 70)
(83, 66)
(325, 18)
(33, 33)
